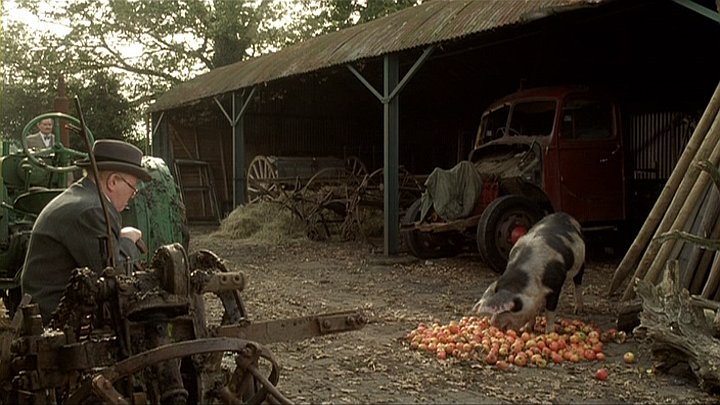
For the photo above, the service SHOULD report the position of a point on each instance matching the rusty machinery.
(144, 338)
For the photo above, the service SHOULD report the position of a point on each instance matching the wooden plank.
(438, 227)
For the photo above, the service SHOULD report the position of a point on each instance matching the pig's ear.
(477, 307)
(502, 301)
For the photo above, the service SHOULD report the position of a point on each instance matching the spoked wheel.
(324, 177)
(261, 177)
(499, 226)
(326, 197)
(374, 188)
(410, 187)
(355, 168)
(103, 386)
(425, 245)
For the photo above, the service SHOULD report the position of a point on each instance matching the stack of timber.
(676, 257)
(684, 220)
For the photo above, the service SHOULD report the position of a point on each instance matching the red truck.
(537, 151)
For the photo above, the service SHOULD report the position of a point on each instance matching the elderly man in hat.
(68, 232)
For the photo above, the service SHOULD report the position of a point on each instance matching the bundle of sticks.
(683, 224)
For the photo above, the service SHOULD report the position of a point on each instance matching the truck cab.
(537, 151)
(581, 159)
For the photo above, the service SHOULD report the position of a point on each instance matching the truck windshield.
(532, 118)
(492, 124)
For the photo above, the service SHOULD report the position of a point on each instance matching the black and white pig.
(538, 265)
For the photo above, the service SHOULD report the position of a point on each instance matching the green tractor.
(30, 178)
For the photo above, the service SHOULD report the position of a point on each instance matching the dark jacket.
(65, 236)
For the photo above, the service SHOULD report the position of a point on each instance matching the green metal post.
(238, 126)
(391, 113)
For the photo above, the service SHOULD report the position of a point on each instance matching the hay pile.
(261, 222)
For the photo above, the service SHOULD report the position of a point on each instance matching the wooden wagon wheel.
(261, 176)
(372, 187)
(410, 187)
(338, 186)
(356, 168)
(320, 178)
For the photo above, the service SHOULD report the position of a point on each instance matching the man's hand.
(131, 233)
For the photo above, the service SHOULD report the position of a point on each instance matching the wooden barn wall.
(299, 136)
(656, 142)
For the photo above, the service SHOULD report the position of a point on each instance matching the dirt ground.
(375, 364)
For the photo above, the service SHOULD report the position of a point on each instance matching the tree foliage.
(33, 61)
(341, 14)
(160, 43)
(26, 83)
(133, 50)
(107, 112)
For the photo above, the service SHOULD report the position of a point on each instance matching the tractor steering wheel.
(63, 155)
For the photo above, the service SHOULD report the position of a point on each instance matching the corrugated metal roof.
(429, 23)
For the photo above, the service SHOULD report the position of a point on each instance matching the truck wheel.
(496, 225)
(425, 245)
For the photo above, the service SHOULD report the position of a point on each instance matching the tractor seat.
(35, 199)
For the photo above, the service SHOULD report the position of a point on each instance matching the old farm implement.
(327, 194)
(269, 176)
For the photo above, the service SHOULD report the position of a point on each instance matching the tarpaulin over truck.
(453, 192)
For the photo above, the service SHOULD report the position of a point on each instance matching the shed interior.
(655, 56)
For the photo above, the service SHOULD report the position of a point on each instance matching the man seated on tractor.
(70, 231)
(44, 138)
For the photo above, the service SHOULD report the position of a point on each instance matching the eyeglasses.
(134, 189)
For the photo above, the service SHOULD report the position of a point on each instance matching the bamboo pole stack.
(676, 208)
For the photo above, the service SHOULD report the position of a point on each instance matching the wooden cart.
(268, 176)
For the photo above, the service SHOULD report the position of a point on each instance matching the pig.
(538, 265)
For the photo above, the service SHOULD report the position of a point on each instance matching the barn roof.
(430, 23)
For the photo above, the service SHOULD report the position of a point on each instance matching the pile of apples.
(473, 338)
